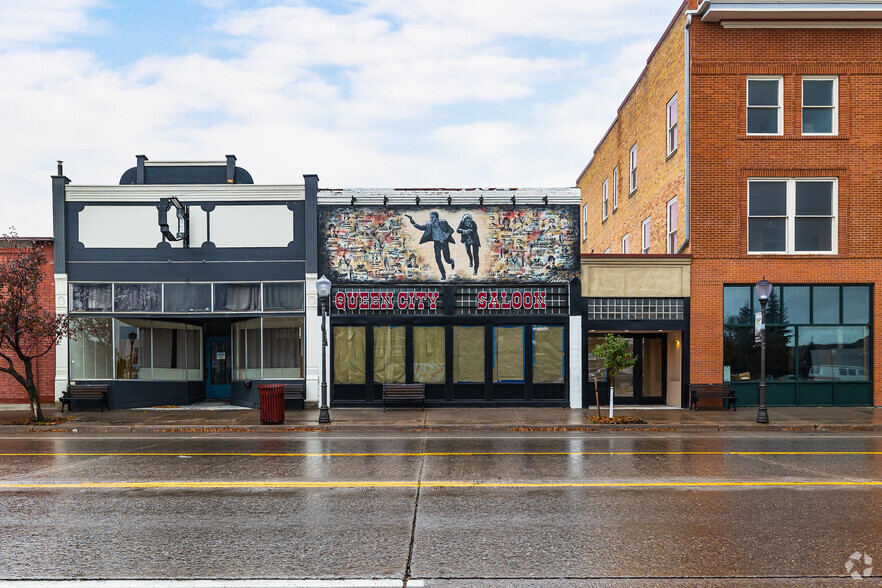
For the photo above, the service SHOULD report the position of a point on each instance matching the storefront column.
(313, 341)
(575, 361)
(61, 350)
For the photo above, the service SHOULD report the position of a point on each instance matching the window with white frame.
(764, 112)
(632, 177)
(625, 239)
(672, 124)
(791, 215)
(645, 234)
(615, 188)
(672, 225)
(584, 221)
(605, 199)
(820, 106)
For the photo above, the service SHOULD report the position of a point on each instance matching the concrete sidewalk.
(218, 418)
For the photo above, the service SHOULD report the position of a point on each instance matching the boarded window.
(468, 354)
(548, 355)
(508, 354)
(428, 355)
(349, 348)
(389, 345)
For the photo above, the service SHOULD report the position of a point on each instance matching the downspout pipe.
(687, 138)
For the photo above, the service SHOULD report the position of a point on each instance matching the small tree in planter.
(616, 357)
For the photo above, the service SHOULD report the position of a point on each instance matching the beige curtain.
(548, 355)
(468, 354)
(508, 359)
(428, 355)
(389, 355)
(349, 348)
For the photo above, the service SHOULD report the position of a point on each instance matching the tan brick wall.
(11, 392)
(724, 157)
(642, 119)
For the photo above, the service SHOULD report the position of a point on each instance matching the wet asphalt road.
(444, 510)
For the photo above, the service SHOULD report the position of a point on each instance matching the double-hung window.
(672, 225)
(791, 216)
(819, 106)
(625, 244)
(632, 176)
(605, 199)
(645, 234)
(615, 188)
(764, 112)
(672, 124)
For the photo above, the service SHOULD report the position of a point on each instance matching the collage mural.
(491, 243)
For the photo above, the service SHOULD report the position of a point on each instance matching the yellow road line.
(428, 453)
(427, 484)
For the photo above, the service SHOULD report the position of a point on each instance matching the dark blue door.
(220, 367)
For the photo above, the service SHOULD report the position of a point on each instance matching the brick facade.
(641, 120)
(723, 157)
(11, 392)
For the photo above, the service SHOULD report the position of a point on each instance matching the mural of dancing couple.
(491, 243)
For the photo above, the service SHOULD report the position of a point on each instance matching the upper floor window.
(584, 221)
(632, 178)
(672, 225)
(819, 106)
(791, 216)
(615, 188)
(605, 199)
(645, 233)
(672, 125)
(764, 112)
(625, 240)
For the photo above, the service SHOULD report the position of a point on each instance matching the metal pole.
(762, 414)
(324, 416)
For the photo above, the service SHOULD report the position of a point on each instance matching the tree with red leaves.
(27, 331)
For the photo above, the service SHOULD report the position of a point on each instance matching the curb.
(90, 428)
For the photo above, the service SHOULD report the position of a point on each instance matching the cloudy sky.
(364, 93)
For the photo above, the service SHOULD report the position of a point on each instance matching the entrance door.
(220, 367)
(643, 383)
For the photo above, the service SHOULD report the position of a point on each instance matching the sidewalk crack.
(416, 507)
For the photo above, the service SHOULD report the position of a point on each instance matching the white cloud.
(396, 93)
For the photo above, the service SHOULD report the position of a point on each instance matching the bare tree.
(27, 330)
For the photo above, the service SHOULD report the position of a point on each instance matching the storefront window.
(349, 355)
(137, 297)
(282, 348)
(743, 357)
(736, 304)
(834, 353)
(132, 354)
(548, 354)
(428, 355)
(246, 342)
(468, 354)
(825, 305)
(91, 349)
(176, 352)
(855, 304)
(91, 297)
(283, 296)
(187, 298)
(236, 297)
(796, 304)
(389, 345)
(508, 354)
(596, 371)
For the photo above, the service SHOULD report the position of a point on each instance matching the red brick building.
(11, 392)
(779, 124)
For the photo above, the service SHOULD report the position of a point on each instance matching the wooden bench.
(404, 393)
(85, 392)
(724, 391)
(296, 393)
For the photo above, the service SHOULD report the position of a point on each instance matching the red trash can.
(272, 403)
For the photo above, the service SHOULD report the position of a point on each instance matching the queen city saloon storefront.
(471, 299)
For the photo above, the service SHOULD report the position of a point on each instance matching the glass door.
(642, 383)
(220, 367)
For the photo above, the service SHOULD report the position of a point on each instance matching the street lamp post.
(323, 287)
(763, 291)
